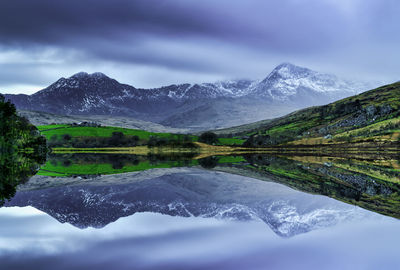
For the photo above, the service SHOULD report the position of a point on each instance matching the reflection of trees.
(14, 170)
(119, 161)
(208, 162)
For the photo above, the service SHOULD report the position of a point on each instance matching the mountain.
(196, 106)
(372, 117)
(288, 82)
(192, 192)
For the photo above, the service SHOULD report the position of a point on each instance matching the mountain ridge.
(182, 105)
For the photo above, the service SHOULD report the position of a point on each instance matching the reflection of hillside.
(103, 164)
(369, 183)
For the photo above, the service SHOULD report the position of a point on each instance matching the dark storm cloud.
(68, 22)
(208, 39)
(116, 29)
(47, 21)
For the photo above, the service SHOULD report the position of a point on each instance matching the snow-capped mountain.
(287, 82)
(204, 106)
(233, 89)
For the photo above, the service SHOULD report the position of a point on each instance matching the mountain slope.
(286, 88)
(227, 112)
(372, 116)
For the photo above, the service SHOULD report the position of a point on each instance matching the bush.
(66, 137)
(116, 139)
(53, 138)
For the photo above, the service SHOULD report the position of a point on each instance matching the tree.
(208, 137)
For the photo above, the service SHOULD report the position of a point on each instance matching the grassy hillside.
(372, 116)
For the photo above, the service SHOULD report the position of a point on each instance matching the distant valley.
(42, 118)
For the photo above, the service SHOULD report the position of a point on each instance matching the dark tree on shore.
(208, 137)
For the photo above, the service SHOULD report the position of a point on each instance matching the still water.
(252, 212)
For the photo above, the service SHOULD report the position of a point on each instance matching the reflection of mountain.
(186, 193)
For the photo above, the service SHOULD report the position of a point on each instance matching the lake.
(84, 211)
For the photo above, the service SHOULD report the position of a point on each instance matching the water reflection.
(185, 192)
(155, 241)
(181, 212)
(95, 190)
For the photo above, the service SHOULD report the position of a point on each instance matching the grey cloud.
(207, 37)
(26, 73)
(278, 25)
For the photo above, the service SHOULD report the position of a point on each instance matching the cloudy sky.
(150, 43)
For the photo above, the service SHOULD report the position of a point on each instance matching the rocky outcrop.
(360, 118)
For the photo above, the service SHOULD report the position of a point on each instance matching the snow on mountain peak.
(98, 75)
(84, 75)
(286, 82)
(80, 75)
(288, 70)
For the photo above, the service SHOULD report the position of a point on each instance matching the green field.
(56, 132)
(46, 127)
(231, 141)
(59, 130)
